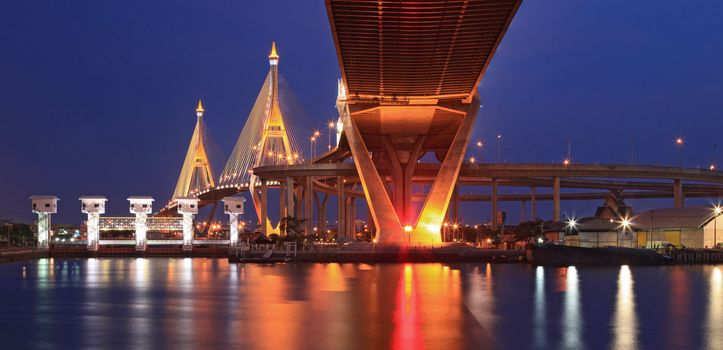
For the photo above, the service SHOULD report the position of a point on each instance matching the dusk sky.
(98, 97)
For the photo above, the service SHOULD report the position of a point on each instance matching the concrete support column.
(455, 203)
(493, 205)
(298, 202)
(678, 196)
(44, 206)
(309, 204)
(141, 207)
(282, 206)
(556, 198)
(233, 206)
(340, 228)
(92, 206)
(352, 218)
(533, 204)
(264, 219)
(523, 214)
(289, 196)
(321, 211)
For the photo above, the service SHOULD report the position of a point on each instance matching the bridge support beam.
(523, 213)
(387, 218)
(309, 204)
(493, 205)
(341, 212)
(94, 207)
(678, 195)
(289, 193)
(263, 203)
(141, 207)
(556, 198)
(533, 204)
(321, 210)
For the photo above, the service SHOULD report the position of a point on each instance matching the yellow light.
(679, 141)
(479, 143)
(316, 133)
(566, 162)
(712, 167)
(408, 228)
(471, 160)
(455, 226)
(717, 210)
(273, 54)
(331, 125)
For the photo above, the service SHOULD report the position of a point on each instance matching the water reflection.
(714, 318)
(207, 303)
(539, 335)
(571, 316)
(625, 321)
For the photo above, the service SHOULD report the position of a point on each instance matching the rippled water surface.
(208, 303)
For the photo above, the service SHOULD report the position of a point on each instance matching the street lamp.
(499, 148)
(480, 146)
(312, 147)
(679, 144)
(331, 126)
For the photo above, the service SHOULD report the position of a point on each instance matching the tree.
(528, 231)
(293, 227)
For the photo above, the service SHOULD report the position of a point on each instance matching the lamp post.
(717, 210)
(499, 148)
(480, 146)
(311, 148)
(331, 126)
(679, 144)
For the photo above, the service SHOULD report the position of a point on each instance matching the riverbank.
(22, 254)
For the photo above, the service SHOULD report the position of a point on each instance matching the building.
(596, 232)
(690, 227)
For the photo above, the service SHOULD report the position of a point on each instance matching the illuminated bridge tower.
(196, 174)
(410, 72)
(264, 140)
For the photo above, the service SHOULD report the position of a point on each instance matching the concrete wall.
(608, 239)
(709, 232)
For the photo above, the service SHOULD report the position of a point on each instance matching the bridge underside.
(410, 72)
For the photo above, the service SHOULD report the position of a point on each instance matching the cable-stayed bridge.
(407, 102)
(267, 138)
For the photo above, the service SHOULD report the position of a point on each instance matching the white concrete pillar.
(141, 206)
(234, 206)
(188, 207)
(44, 206)
(93, 206)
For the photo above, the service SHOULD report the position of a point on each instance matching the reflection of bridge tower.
(196, 175)
(264, 140)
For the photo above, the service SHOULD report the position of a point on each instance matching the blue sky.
(98, 97)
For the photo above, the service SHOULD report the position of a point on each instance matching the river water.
(207, 303)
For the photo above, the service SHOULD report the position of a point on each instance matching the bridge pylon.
(264, 140)
(196, 174)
